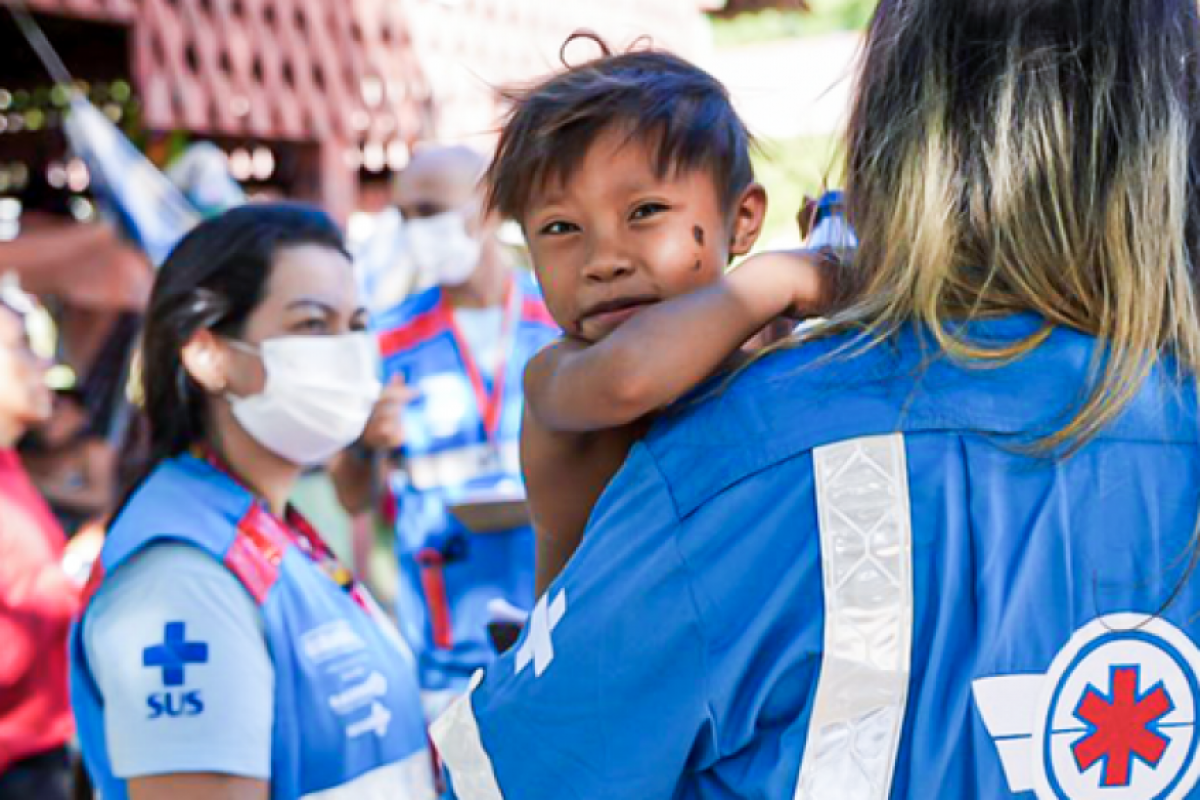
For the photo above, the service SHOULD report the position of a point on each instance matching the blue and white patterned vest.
(448, 576)
(316, 633)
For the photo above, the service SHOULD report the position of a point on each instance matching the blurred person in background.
(73, 467)
(224, 652)
(37, 600)
(451, 414)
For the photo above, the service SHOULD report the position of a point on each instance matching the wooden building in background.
(338, 91)
(320, 100)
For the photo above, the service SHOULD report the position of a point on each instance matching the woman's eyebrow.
(310, 302)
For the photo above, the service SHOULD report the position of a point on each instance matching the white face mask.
(319, 394)
(442, 249)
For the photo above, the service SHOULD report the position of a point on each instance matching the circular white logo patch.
(1117, 719)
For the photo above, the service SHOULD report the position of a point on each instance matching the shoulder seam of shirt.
(764, 462)
(147, 580)
(689, 578)
(662, 479)
(164, 546)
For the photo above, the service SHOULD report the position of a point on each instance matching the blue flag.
(201, 172)
(145, 204)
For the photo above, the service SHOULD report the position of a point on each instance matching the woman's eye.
(647, 210)
(558, 228)
(311, 326)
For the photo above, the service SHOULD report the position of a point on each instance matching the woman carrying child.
(944, 546)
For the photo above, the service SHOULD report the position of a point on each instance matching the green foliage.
(825, 16)
(791, 169)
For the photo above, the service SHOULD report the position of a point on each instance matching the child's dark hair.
(656, 96)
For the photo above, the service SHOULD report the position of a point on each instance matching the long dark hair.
(213, 279)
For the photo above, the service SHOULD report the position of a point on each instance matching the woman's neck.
(263, 472)
(487, 286)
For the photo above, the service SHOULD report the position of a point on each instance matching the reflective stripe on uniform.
(456, 736)
(866, 565)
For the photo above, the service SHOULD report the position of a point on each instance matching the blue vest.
(843, 575)
(448, 576)
(311, 626)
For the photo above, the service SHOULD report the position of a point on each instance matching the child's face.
(613, 238)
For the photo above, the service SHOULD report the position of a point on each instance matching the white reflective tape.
(410, 779)
(456, 736)
(866, 565)
(539, 642)
(1017, 758)
(434, 702)
(453, 468)
(1008, 704)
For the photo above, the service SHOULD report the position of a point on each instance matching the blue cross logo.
(174, 654)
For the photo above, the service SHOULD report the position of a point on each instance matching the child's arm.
(569, 453)
(661, 353)
(564, 477)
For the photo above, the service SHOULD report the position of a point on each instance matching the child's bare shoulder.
(569, 447)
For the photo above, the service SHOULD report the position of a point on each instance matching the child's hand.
(799, 281)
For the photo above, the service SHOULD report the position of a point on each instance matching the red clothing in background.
(37, 603)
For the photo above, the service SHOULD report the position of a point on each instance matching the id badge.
(490, 461)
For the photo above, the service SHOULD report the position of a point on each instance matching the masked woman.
(223, 652)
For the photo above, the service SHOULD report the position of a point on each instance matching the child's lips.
(609, 315)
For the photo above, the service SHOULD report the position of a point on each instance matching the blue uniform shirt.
(843, 577)
(345, 717)
(461, 435)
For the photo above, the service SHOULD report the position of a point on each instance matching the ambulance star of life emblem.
(1115, 716)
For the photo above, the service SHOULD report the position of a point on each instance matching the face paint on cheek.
(698, 235)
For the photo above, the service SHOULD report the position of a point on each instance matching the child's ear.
(748, 216)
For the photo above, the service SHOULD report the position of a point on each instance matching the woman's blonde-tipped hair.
(1031, 155)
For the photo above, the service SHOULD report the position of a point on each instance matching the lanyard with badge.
(490, 405)
(432, 559)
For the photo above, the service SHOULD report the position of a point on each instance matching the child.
(631, 178)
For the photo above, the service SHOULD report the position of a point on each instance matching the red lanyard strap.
(437, 599)
(490, 406)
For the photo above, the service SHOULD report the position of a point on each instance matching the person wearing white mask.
(223, 652)
(454, 356)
